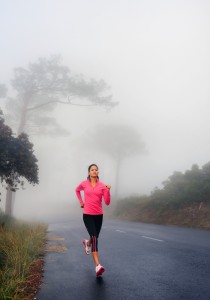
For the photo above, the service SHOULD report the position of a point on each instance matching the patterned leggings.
(93, 224)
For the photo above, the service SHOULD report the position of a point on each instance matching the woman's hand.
(108, 187)
(82, 205)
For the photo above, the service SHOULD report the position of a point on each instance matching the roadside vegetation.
(184, 200)
(21, 258)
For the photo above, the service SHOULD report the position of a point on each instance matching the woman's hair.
(88, 178)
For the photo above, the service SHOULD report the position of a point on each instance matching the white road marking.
(143, 236)
(147, 237)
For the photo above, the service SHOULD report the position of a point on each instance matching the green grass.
(20, 245)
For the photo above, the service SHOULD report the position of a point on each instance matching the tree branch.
(59, 101)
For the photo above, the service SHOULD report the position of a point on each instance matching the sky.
(154, 55)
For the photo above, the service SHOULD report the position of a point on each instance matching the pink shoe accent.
(100, 271)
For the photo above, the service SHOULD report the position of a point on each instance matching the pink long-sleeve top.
(93, 197)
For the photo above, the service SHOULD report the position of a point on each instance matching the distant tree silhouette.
(118, 142)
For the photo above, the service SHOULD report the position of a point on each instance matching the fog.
(154, 55)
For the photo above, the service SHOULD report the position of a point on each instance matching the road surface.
(142, 261)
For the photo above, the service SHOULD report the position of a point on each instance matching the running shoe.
(87, 248)
(99, 270)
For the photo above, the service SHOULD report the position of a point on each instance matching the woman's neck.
(93, 181)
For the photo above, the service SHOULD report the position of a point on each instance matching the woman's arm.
(107, 196)
(78, 189)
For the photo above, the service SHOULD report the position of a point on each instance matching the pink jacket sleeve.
(107, 197)
(78, 189)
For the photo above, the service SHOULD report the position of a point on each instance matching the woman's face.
(93, 171)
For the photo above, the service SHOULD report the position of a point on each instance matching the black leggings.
(93, 224)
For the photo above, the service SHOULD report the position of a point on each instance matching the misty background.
(154, 56)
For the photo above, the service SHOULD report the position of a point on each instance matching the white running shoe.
(87, 248)
(99, 270)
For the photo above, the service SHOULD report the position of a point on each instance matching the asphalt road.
(142, 261)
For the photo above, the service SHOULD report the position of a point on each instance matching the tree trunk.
(10, 197)
(22, 120)
(9, 202)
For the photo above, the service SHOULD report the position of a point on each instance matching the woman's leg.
(89, 224)
(93, 225)
(98, 219)
(98, 223)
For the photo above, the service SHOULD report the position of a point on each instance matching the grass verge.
(21, 252)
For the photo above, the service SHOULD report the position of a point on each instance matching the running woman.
(94, 190)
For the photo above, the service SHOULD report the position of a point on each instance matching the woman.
(94, 190)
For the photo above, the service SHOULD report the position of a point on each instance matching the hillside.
(184, 200)
(197, 216)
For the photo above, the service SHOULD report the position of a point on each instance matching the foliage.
(16, 158)
(184, 188)
(20, 245)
